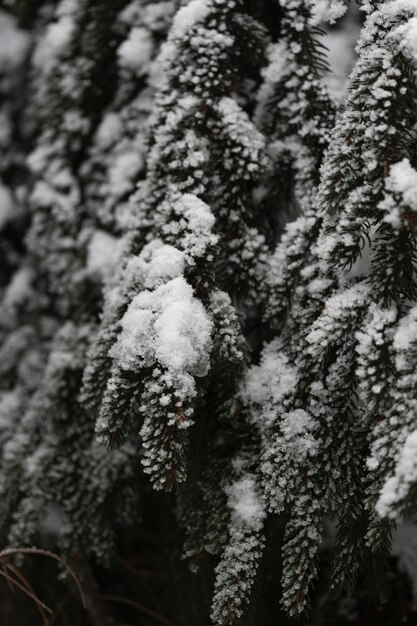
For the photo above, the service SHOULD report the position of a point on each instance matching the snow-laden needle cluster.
(208, 288)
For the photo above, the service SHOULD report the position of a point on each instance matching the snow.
(192, 227)
(137, 50)
(158, 77)
(268, 382)
(14, 43)
(298, 428)
(10, 405)
(109, 131)
(135, 340)
(6, 206)
(156, 14)
(183, 332)
(38, 159)
(190, 15)
(5, 129)
(336, 318)
(406, 333)
(167, 325)
(296, 423)
(197, 213)
(53, 44)
(103, 255)
(397, 487)
(243, 133)
(246, 503)
(405, 342)
(67, 7)
(374, 334)
(402, 181)
(277, 54)
(326, 11)
(324, 246)
(293, 245)
(157, 264)
(277, 68)
(124, 169)
(19, 287)
(166, 262)
(130, 14)
(407, 35)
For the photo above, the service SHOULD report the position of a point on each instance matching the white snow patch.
(166, 262)
(156, 15)
(109, 131)
(167, 325)
(267, 384)
(190, 15)
(6, 206)
(336, 316)
(19, 287)
(246, 503)
(124, 169)
(137, 51)
(193, 226)
(104, 252)
(157, 264)
(397, 487)
(329, 11)
(273, 378)
(407, 35)
(13, 43)
(298, 427)
(406, 333)
(402, 180)
(10, 405)
(53, 43)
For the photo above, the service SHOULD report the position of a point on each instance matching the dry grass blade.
(43, 608)
(20, 576)
(143, 609)
(59, 609)
(9, 580)
(5, 554)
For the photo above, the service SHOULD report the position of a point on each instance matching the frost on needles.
(208, 288)
(345, 281)
(189, 205)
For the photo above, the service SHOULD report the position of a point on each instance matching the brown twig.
(138, 606)
(4, 554)
(39, 604)
(59, 608)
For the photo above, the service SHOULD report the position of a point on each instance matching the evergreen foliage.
(208, 309)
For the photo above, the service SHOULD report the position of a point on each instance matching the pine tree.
(13, 55)
(165, 308)
(208, 289)
(332, 277)
(117, 155)
(204, 156)
(62, 464)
